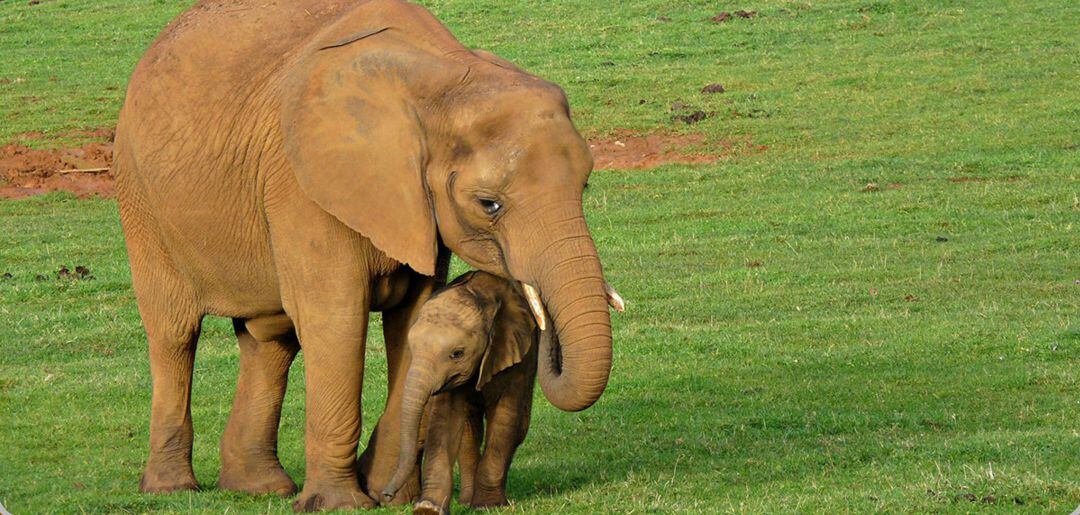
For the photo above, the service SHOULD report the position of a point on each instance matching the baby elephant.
(474, 347)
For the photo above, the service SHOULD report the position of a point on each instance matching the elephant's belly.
(223, 250)
(236, 282)
(245, 293)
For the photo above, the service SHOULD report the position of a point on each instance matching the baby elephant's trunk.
(418, 389)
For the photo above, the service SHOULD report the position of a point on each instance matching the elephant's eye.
(491, 207)
(457, 354)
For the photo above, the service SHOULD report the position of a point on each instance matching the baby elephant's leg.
(507, 424)
(469, 453)
(446, 418)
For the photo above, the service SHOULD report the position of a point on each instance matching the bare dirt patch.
(630, 151)
(86, 170)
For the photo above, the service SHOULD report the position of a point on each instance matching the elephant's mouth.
(452, 382)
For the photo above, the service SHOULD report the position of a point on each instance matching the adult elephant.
(294, 165)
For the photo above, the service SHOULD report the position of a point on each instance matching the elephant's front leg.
(379, 460)
(469, 450)
(508, 415)
(446, 421)
(325, 285)
(249, 461)
(333, 375)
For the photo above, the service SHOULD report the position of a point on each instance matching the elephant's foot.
(164, 477)
(426, 507)
(325, 498)
(268, 478)
(487, 499)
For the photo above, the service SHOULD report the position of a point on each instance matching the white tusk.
(614, 298)
(536, 305)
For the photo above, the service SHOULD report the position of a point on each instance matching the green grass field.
(795, 341)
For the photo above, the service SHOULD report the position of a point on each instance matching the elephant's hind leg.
(249, 461)
(172, 333)
(172, 318)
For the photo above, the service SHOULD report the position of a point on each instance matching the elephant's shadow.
(658, 432)
(623, 439)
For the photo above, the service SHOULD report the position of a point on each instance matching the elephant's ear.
(512, 335)
(356, 148)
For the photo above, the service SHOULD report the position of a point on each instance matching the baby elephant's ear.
(512, 334)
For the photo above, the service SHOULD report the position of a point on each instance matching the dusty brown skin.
(296, 166)
(473, 351)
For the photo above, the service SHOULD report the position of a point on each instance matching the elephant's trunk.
(575, 361)
(418, 389)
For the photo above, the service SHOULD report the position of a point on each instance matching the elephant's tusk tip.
(614, 299)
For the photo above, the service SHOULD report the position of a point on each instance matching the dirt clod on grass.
(872, 187)
(726, 16)
(80, 273)
(687, 113)
(691, 117)
(86, 171)
(713, 88)
(83, 170)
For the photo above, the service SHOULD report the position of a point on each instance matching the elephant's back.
(235, 40)
(205, 78)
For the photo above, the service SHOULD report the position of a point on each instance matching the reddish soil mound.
(85, 170)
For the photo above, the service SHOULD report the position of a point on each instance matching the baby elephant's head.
(468, 332)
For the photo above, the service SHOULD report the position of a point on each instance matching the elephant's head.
(470, 331)
(411, 139)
